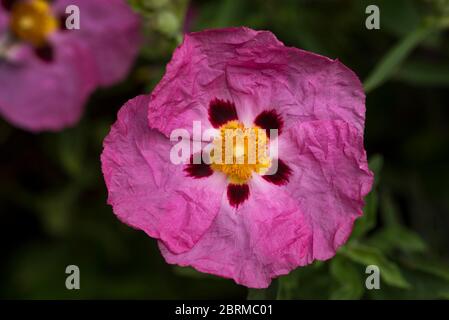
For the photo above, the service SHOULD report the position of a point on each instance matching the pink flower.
(47, 72)
(240, 223)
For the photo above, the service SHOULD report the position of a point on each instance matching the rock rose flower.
(234, 220)
(47, 72)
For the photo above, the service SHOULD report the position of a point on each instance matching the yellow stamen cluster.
(32, 21)
(240, 151)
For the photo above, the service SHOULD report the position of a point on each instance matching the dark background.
(53, 210)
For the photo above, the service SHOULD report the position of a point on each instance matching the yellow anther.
(240, 151)
(32, 21)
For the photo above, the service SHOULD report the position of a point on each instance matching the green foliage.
(389, 64)
(424, 73)
(350, 281)
(367, 255)
(395, 237)
(264, 294)
(311, 282)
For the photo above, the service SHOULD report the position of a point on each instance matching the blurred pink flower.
(220, 220)
(47, 72)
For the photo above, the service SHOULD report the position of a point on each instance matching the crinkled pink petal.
(256, 72)
(282, 227)
(330, 178)
(37, 95)
(150, 193)
(265, 237)
(111, 31)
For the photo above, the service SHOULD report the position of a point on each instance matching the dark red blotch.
(197, 171)
(7, 4)
(45, 53)
(221, 111)
(269, 119)
(237, 194)
(282, 175)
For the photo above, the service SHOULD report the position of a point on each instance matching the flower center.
(240, 151)
(33, 21)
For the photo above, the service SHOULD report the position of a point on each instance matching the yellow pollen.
(32, 21)
(240, 151)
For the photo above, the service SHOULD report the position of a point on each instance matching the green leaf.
(56, 209)
(405, 11)
(309, 282)
(444, 294)
(289, 285)
(424, 73)
(366, 255)
(269, 293)
(389, 210)
(397, 237)
(391, 61)
(428, 265)
(425, 286)
(348, 277)
(227, 11)
(376, 163)
(71, 150)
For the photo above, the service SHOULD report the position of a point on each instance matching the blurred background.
(53, 210)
